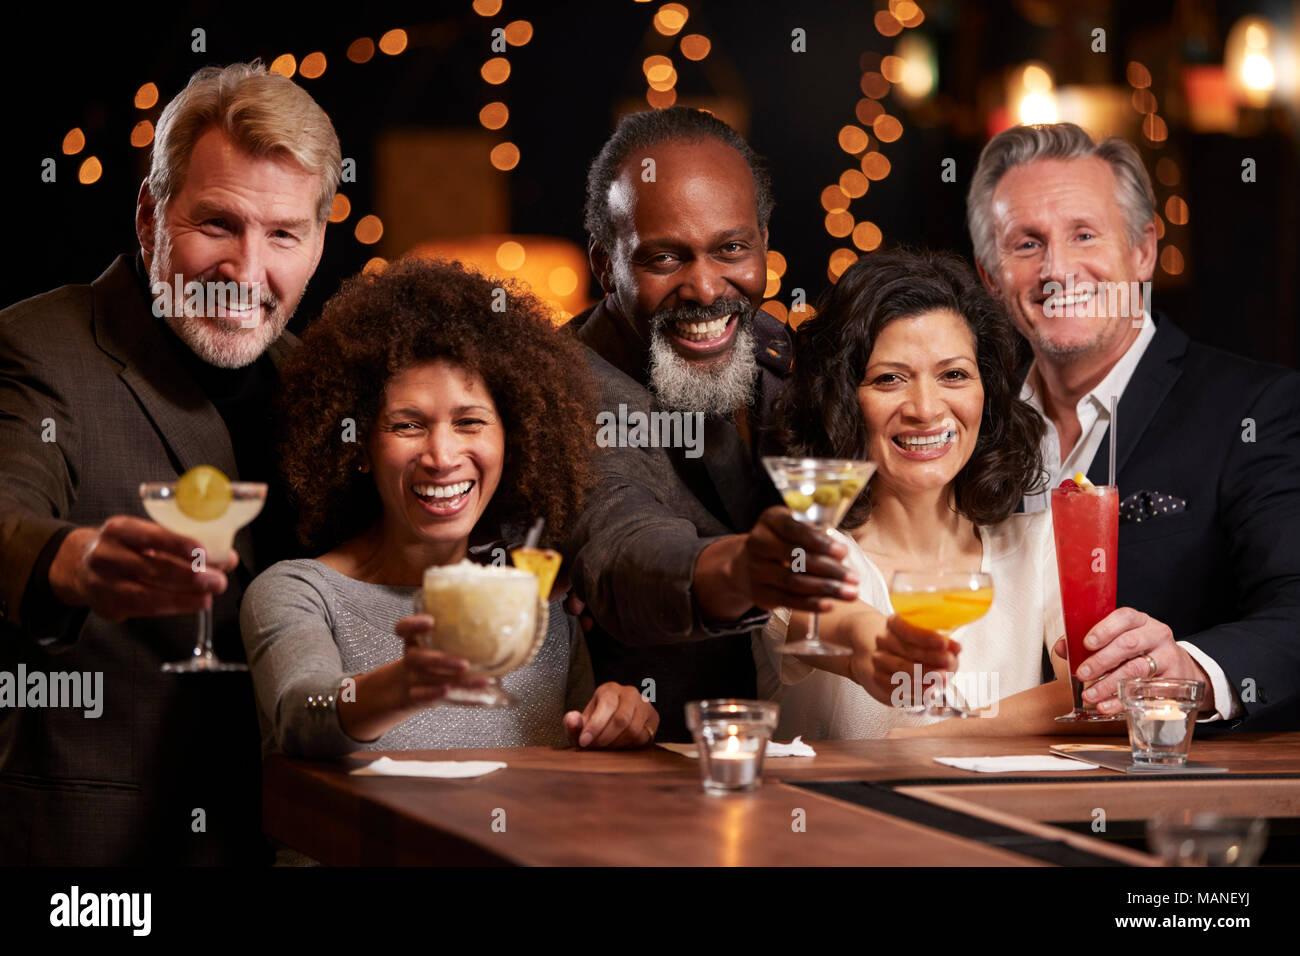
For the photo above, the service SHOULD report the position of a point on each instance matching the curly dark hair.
(650, 128)
(818, 414)
(417, 311)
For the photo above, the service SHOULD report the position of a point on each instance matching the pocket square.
(1145, 505)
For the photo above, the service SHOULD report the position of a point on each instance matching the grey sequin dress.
(306, 627)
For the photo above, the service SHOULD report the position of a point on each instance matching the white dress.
(1002, 652)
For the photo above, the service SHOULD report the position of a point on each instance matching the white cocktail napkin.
(388, 767)
(1026, 764)
(795, 748)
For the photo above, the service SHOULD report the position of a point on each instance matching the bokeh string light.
(1155, 132)
(862, 140)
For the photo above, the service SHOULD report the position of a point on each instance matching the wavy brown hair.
(418, 311)
(818, 414)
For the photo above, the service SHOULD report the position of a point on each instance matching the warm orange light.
(361, 50)
(834, 199)
(773, 284)
(886, 128)
(1154, 128)
(659, 71)
(1167, 171)
(1144, 101)
(867, 110)
(375, 265)
(839, 224)
(341, 208)
(840, 260)
(888, 24)
(1160, 227)
(1176, 210)
(504, 156)
(394, 41)
(776, 262)
(904, 10)
(875, 166)
(142, 134)
(661, 99)
(695, 46)
(867, 236)
(776, 310)
(1139, 77)
(853, 139)
(518, 32)
(854, 183)
(74, 141)
(562, 281)
(494, 115)
(1171, 260)
(891, 67)
(670, 18)
(90, 171)
(369, 230)
(313, 65)
(510, 255)
(146, 96)
(487, 8)
(496, 70)
(284, 64)
(662, 85)
(874, 85)
(651, 62)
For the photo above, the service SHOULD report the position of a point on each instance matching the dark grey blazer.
(128, 786)
(651, 513)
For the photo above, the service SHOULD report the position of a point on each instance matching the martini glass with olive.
(819, 492)
(205, 505)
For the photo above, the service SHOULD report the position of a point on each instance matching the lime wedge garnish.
(203, 493)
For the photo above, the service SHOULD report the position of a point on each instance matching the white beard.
(219, 344)
(717, 389)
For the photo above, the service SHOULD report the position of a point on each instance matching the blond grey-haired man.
(1208, 443)
(165, 362)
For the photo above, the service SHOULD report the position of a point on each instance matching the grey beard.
(717, 389)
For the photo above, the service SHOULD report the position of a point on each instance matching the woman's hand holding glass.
(904, 647)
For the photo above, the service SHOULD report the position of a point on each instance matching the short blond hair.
(264, 113)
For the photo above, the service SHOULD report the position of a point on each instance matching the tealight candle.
(1160, 714)
(731, 737)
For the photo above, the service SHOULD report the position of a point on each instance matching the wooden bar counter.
(646, 808)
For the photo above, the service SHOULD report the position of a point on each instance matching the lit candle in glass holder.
(731, 736)
(1160, 718)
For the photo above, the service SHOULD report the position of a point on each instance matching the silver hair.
(1026, 144)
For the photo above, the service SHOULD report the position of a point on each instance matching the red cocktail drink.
(1085, 522)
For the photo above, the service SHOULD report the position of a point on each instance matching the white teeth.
(1063, 301)
(931, 441)
(442, 492)
(702, 331)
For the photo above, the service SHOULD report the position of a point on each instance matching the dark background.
(62, 69)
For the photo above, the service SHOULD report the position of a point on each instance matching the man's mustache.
(702, 313)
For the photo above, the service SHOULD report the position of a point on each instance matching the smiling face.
(240, 219)
(1058, 222)
(922, 401)
(688, 269)
(436, 451)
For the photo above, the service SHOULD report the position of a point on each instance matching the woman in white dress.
(909, 363)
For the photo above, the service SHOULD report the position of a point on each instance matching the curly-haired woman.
(423, 425)
(909, 363)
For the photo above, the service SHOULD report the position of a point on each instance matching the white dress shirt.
(1093, 411)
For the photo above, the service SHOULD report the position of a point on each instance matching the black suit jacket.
(170, 771)
(650, 514)
(1222, 433)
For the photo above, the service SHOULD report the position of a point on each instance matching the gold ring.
(1152, 667)
(648, 729)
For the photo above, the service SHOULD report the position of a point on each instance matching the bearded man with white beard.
(135, 378)
(682, 552)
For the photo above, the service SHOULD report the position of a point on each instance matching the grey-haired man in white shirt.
(1064, 234)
